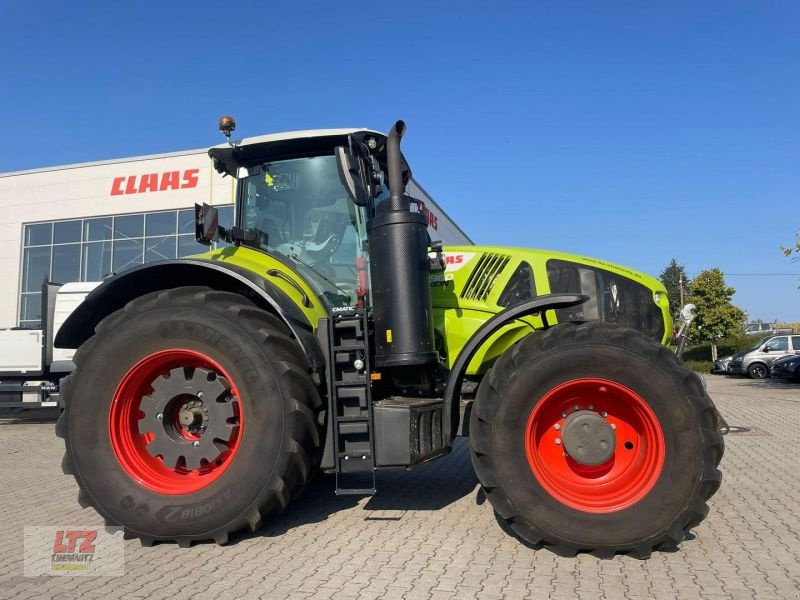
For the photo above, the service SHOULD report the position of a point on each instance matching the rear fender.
(116, 291)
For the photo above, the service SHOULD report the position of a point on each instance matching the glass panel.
(127, 254)
(300, 209)
(65, 232)
(159, 248)
(97, 230)
(187, 246)
(66, 263)
(96, 261)
(129, 226)
(39, 234)
(160, 223)
(186, 221)
(31, 309)
(30, 324)
(35, 268)
(780, 344)
(796, 343)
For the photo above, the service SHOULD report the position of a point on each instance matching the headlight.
(657, 298)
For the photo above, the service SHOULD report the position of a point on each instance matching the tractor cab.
(306, 198)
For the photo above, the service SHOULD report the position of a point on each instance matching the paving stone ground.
(427, 534)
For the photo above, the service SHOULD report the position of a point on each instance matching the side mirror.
(206, 224)
(350, 175)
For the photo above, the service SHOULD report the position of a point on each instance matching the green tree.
(671, 277)
(717, 317)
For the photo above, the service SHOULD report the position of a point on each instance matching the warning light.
(226, 126)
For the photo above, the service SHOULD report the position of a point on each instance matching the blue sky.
(631, 131)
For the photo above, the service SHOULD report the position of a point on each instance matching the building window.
(89, 249)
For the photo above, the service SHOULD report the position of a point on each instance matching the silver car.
(721, 365)
(756, 361)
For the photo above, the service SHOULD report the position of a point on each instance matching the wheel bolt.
(563, 414)
(591, 407)
(558, 441)
(613, 426)
(159, 416)
(199, 394)
(604, 414)
(196, 443)
(576, 407)
(557, 427)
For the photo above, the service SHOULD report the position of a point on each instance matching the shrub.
(701, 366)
(725, 347)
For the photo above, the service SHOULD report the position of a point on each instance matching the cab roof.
(274, 146)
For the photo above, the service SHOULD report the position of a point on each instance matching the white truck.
(30, 368)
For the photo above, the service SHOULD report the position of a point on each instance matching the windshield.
(299, 209)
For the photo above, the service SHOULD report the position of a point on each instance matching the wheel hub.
(193, 416)
(188, 415)
(588, 438)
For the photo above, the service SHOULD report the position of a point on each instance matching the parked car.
(720, 365)
(756, 361)
(787, 367)
(763, 329)
(758, 329)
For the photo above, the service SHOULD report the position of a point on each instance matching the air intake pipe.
(400, 272)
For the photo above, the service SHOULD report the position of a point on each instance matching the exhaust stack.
(400, 268)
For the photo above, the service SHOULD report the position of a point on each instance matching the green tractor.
(330, 333)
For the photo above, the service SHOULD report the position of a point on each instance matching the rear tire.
(758, 371)
(653, 487)
(256, 428)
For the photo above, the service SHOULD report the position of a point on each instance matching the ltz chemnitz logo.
(73, 549)
(81, 550)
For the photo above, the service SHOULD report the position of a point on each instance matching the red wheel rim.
(621, 481)
(130, 446)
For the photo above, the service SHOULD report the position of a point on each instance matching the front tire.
(758, 371)
(190, 415)
(593, 437)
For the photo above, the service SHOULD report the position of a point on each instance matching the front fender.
(452, 393)
(115, 292)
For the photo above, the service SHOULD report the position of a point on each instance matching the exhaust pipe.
(399, 269)
(394, 162)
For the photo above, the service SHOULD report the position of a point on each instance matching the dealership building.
(84, 221)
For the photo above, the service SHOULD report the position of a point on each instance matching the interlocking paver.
(430, 534)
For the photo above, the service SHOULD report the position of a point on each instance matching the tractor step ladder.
(354, 447)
